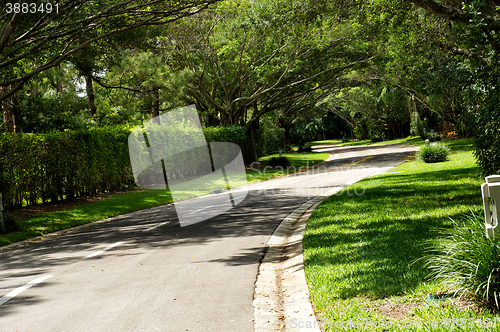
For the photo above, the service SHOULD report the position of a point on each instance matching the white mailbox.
(491, 198)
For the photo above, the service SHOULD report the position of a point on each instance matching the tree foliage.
(30, 44)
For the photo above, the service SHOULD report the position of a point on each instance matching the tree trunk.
(59, 87)
(8, 118)
(90, 95)
(250, 154)
(155, 105)
(10, 113)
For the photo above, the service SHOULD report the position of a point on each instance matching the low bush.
(279, 162)
(466, 261)
(305, 148)
(434, 153)
(10, 222)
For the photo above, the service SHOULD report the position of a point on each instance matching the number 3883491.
(30, 8)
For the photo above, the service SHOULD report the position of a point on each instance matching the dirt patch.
(394, 310)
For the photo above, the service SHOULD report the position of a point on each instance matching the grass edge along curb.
(360, 253)
(30, 238)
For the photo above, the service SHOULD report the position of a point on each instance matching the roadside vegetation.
(121, 203)
(434, 152)
(412, 140)
(364, 253)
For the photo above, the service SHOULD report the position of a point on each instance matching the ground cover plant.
(363, 253)
(434, 152)
(123, 203)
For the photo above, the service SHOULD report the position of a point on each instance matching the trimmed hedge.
(46, 167)
(233, 134)
(37, 168)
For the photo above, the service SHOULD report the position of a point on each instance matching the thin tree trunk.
(8, 119)
(59, 87)
(90, 95)
(155, 105)
(10, 114)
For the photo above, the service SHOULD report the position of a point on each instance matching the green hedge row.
(38, 168)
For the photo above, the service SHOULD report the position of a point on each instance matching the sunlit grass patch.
(363, 250)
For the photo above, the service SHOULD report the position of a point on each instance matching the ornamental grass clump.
(434, 152)
(467, 262)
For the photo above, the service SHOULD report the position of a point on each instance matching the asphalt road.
(143, 272)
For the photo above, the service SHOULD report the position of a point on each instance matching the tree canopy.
(303, 68)
(32, 41)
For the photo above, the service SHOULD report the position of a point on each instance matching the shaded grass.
(328, 141)
(363, 250)
(138, 200)
(105, 208)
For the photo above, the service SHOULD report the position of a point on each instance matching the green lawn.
(133, 201)
(328, 141)
(362, 250)
(407, 140)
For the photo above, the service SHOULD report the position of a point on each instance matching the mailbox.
(491, 200)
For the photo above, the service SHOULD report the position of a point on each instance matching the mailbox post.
(491, 199)
(1, 215)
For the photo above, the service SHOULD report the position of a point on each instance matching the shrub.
(269, 139)
(434, 153)
(10, 222)
(305, 148)
(234, 134)
(279, 162)
(466, 261)
(288, 148)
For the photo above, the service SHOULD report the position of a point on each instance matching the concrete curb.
(281, 293)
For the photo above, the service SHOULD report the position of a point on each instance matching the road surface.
(143, 272)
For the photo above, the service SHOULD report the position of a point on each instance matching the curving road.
(143, 272)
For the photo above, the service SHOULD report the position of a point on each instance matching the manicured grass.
(408, 140)
(328, 141)
(138, 200)
(362, 247)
